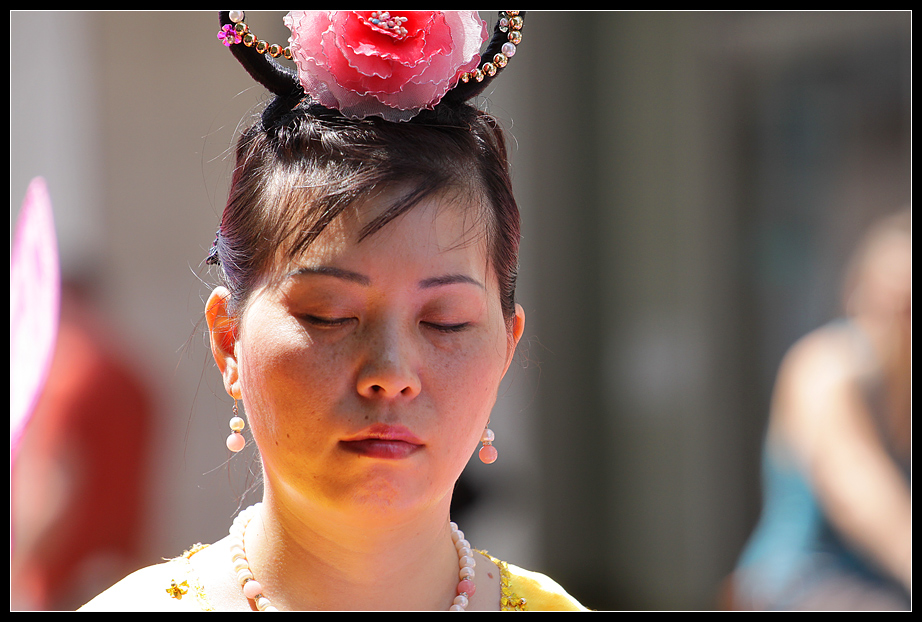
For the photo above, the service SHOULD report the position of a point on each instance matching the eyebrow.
(361, 279)
(449, 279)
(346, 275)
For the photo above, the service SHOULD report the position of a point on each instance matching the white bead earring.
(488, 452)
(235, 441)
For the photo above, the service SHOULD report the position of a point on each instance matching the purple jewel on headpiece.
(229, 35)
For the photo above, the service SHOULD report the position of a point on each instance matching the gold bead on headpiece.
(510, 22)
(240, 33)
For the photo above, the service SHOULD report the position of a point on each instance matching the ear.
(518, 328)
(222, 330)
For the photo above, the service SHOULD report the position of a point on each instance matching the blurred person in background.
(77, 484)
(835, 531)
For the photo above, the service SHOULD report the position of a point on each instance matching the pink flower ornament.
(375, 63)
(229, 36)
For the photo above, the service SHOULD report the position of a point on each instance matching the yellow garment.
(524, 590)
(180, 589)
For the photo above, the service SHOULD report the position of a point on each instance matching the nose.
(389, 367)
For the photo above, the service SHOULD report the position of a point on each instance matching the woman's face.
(368, 369)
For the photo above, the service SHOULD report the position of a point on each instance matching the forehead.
(450, 226)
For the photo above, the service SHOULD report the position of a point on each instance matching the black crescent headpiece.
(259, 60)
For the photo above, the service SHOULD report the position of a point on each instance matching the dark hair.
(303, 164)
(298, 169)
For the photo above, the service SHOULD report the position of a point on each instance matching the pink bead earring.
(235, 441)
(488, 452)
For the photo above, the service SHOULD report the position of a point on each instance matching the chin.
(383, 498)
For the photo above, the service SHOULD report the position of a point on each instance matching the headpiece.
(377, 63)
(361, 64)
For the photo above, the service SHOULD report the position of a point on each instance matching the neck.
(310, 558)
(892, 344)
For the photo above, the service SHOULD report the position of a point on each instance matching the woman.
(368, 251)
(836, 529)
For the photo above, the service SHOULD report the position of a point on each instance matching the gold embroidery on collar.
(508, 600)
(195, 548)
(178, 590)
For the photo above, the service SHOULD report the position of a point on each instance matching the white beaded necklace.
(254, 591)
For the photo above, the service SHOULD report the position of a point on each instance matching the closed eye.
(447, 328)
(326, 322)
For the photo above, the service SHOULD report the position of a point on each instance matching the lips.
(386, 442)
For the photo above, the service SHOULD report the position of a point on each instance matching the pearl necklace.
(254, 591)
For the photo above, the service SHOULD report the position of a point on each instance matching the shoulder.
(828, 352)
(532, 591)
(817, 371)
(820, 396)
(168, 586)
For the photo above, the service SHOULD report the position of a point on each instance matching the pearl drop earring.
(488, 452)
(235, 441)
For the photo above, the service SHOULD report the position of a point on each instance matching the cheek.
(466, 382)
(280, 380)
(468, 394)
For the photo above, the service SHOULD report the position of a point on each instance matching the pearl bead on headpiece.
(511, 23)
(239, 32)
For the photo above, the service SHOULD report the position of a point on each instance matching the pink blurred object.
(35, 293)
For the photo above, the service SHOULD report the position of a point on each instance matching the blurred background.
(691, 185)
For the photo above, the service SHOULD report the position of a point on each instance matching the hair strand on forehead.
(298, 172)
